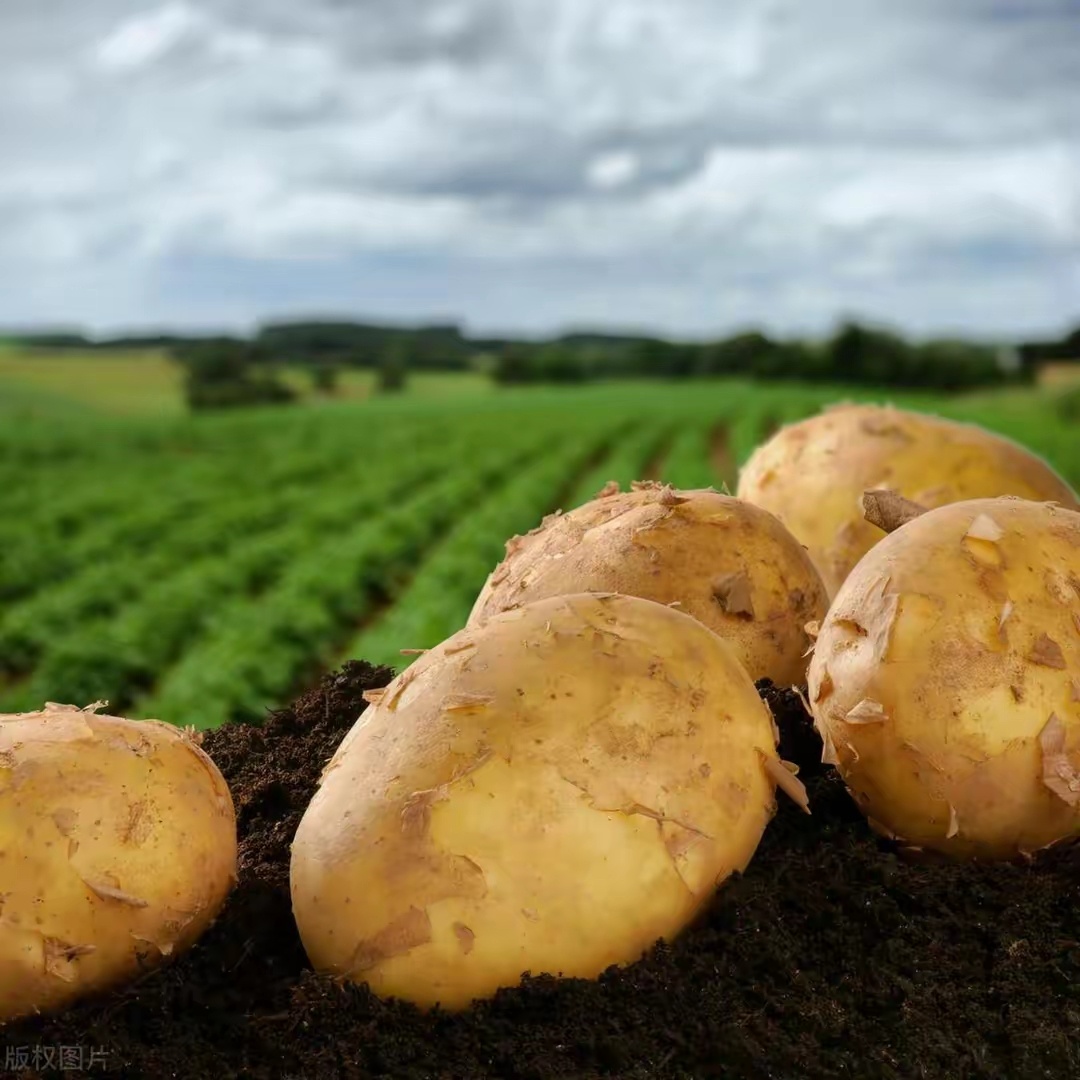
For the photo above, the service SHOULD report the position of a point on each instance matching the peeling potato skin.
(727, 563)
(960, 652)
(608, 778)
(117, 850)
(812, 475)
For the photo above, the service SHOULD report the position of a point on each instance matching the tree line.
(223, 371)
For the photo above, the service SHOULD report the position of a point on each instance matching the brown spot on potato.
(400, 935)
(1047, 653)
(136, 830)
(733, 593)
(466, 938)
(706, 769)
(1063, 590)
(888, 510)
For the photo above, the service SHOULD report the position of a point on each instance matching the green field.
(150, 384)
(204, 569)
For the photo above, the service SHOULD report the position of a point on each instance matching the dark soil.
(833, 956)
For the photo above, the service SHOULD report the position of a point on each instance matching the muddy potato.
(946, 679)
(727, 563)
(117, 850)
(811, 475)
(551, 791)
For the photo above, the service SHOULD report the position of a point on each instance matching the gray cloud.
(533, 163)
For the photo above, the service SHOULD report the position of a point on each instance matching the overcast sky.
(686, 165)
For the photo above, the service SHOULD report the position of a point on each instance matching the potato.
(945, 681)
(727, 563)
(550, 791)
(812, 474)
(117, 850)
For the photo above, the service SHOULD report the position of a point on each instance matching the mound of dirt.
(833, 956)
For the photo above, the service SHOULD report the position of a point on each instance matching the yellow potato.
(117, 850)
(551, 792)
(812, 474)
(946, 679)
(727, 563)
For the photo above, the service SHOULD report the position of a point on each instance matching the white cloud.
(694, 164)
(614, 169)
(148, 37)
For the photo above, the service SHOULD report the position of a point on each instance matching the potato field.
(202, 570)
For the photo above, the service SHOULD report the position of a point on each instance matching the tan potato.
(812, 474)
(727, 563)
(117, 850)
(946, 679)
(551, 791)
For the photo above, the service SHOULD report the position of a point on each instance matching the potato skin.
(117, 850)
(729, 564)
(946, 679)
(812, 474)
(550, 791)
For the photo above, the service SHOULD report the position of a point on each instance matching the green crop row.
(439, 598)
(260, 649)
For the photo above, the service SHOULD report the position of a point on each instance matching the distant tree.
(556, 362)
(651, 357)
(749, 353)
(394, 368)
(224, 373)
(955, 365)
(325, 377)
(513, 364)
(863, 354)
